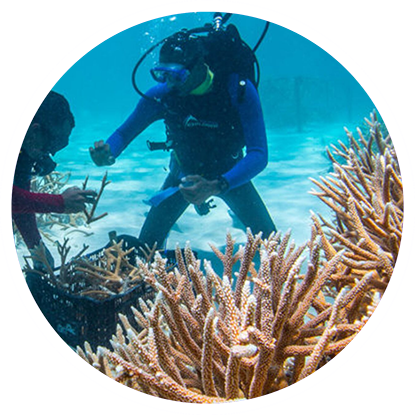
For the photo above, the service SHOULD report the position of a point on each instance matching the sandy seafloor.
(138, 173)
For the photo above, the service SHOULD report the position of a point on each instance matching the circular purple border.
(55, 340)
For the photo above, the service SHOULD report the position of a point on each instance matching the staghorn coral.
(210, 338)
(102, 274)
(90, 214)
(366, 195)
(207, 340)
(109, 272)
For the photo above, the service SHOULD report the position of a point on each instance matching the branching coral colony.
(100, 275)
(210, 338)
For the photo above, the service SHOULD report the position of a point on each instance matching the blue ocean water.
(307, 98)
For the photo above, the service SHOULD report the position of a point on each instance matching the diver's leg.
(248, 206)
(161, 218)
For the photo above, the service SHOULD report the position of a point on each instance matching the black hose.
(262, 37)
(137, 65)
(226, 17)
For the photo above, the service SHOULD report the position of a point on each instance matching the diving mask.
(173, 74)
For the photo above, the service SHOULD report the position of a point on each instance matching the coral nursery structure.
(107, 272)
(277, 312)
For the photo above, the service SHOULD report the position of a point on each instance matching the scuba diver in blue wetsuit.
(212, 112)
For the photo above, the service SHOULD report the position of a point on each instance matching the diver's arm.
(146, 112)
(24, 201)
(24, 206)
(250, 112)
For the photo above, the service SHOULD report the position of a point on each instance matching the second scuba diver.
(210, 119)
(47, 134)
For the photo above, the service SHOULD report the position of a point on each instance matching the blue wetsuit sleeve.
(253, 127)
(145, 113)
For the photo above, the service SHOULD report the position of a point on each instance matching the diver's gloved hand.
(42, 258)
(196, 189)
(101, 154)
(74, 199)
